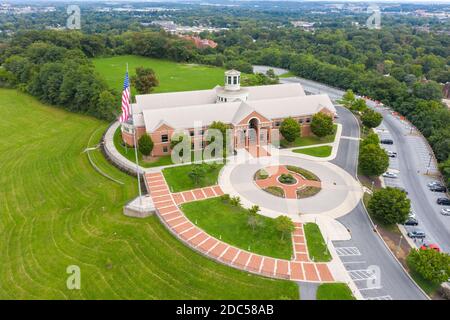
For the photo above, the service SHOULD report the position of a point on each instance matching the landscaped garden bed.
(309, 141)
(230, 223)
(308, 175)
(307, 191)
(276, 191)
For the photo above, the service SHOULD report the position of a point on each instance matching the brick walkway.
(257, 151)
(166, 203)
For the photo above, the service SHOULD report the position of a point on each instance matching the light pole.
(399, 244)
(371, 189)
(429, 162)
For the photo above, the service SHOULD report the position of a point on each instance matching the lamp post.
(429, 162)
(399, 244)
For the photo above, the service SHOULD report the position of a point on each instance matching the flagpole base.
(140, 207)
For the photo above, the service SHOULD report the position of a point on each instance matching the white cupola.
(232, 80)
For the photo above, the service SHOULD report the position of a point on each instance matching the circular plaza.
(291, 185)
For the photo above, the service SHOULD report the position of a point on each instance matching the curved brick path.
(166, 204)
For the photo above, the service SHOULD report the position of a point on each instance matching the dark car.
(411, 222)
(386, 141)
(443, 201)
(438, 189)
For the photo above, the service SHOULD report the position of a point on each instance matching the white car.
(445, 212)
(432, 184)
(392, 154)
(389, 174)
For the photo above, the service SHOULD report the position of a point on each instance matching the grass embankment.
(334, 291)
(172, 76)
(317, 248)
(308, 141)
(320, 152)
(58, 211)
(224, 221)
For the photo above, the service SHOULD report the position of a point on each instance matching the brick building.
(261, 108)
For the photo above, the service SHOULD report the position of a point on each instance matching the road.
(365, 254)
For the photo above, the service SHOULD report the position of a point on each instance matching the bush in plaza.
(371, 119)
(430, 264)
(373, 160)
(322, 125)
(145, 145)
(389, 206)
(290, 129)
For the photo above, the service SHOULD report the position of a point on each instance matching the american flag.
(126, 106)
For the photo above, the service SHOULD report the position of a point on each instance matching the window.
(300, 121)
(225, 99)
(277, 123)
(308, 120)
(164, 138)
(229, 80)
(165, 149)
(191, 133)
(235, 80)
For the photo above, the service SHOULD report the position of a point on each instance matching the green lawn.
(57, 211)
(178, 177)
(334, 291)
(317, 248)
(308, 141)
(321, 152)
(172, 76)
(228, 222)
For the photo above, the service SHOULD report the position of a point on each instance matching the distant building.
(260, 108)
(199, 42)
(307, 26)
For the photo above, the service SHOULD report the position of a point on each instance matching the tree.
(371, 119)
(197, 173)
(253, 219)
(389, 206)
(106, 105)
(145, 145)
(322, 125)
(284, 225)
(290, 129)
(348, 99)
(430, 264)
(430, 90)
(145, 80)
(235, 201)
(359, 105)
(371, 138)
(445, 169)
(373, 160)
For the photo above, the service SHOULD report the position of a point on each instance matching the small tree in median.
(431, 265)
(373, 160)
(145, 145)
(253, 219)
(372, 138)
(322, 125)
(389, 206)
(371, 119)
(290, 129)
(285, 225)
(348, 99)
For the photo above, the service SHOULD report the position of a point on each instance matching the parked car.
(433, 183)
(445, 212)
(443, 201)
(411, 222)
(392, 154)
(438, 189)
(386, 141)
(432, 246)
(389, 174)
(416, 233)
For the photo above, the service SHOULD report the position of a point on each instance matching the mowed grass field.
(172, 76)
(57, 211)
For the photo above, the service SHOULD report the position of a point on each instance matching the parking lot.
(420, 168)
(365, 276)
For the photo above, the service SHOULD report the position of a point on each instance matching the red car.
(430, 246)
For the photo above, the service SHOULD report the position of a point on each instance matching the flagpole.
(134, 140)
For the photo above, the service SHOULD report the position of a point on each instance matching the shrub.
(290, 129)
(145, 145)
(373, 160)
(431, 265)
(322, 125)
(371, 119)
